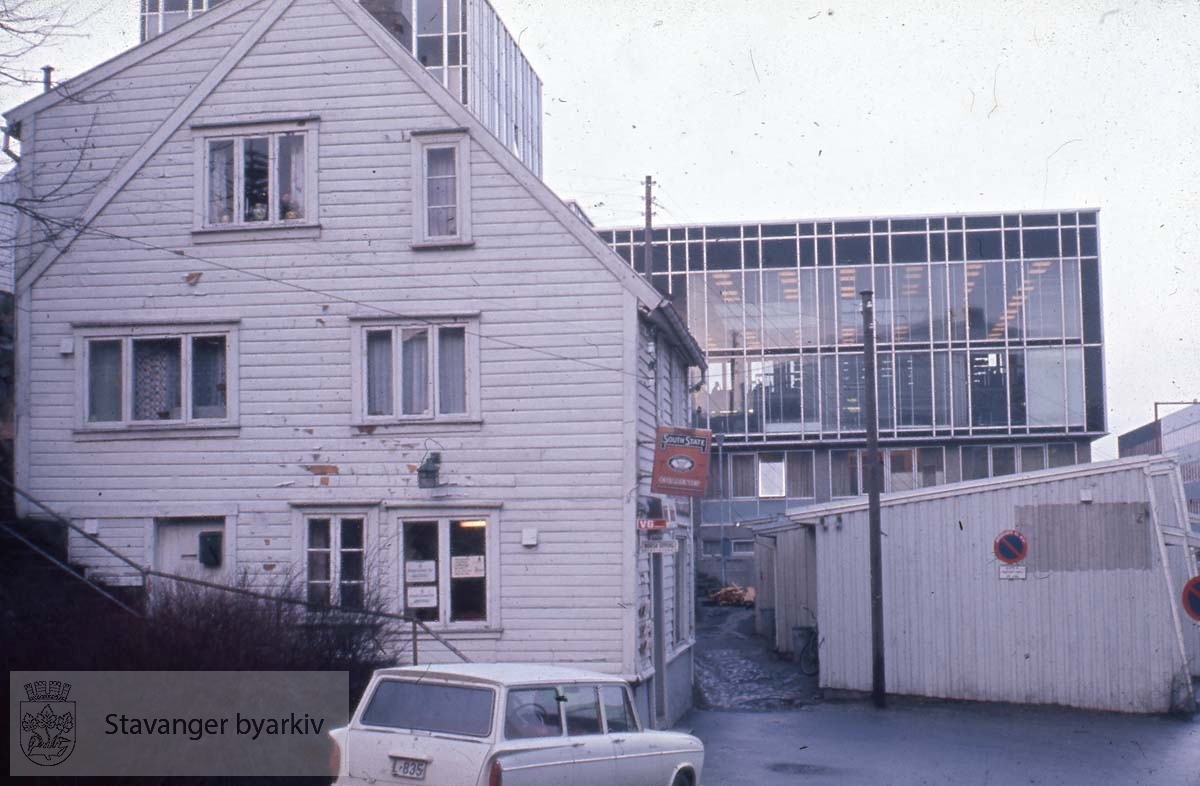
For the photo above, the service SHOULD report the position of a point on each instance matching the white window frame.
(443, 518)
(204, 135)
(126, 335)
(422, 143)
(469, 323)
(741, 547)
(302, 514)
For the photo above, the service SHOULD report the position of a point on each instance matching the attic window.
(256, 177)
(441, 190)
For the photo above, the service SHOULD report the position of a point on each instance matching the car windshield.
(431, 706)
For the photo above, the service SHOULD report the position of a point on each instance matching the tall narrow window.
(441, 192)
(452, 370)
(415, 371)
(843, 473)
(104, 381)
(156, 372)
(208, 377)
(335, 561)
(379, 372)
(770, 475)
(441, 188)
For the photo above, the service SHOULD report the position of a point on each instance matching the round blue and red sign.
(1011, 547)
(1191, 598)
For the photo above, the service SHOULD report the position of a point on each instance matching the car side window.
(532, 712)
(582, 710)
(617, 709)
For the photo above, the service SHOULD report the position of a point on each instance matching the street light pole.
(872, 476)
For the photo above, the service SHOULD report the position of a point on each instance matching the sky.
(748, 110)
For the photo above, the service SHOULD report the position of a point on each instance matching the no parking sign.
(1191, 598)
(1010, 547)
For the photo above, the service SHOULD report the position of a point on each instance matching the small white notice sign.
(466, 567)
(660, 546)
(421, 596)
(420, 571)
(1012, 572)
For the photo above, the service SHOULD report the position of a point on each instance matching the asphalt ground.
(765, 724)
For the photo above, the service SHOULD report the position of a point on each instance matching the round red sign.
(1010, 547)
(1191, 598)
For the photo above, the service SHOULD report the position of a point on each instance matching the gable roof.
(646, 294)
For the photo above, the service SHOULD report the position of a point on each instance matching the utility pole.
(647, 236)
(873, 478)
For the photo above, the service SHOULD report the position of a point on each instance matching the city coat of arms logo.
(47, 722)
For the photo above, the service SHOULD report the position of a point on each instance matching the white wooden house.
(275, 268)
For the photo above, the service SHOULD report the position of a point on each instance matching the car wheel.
(682, 779)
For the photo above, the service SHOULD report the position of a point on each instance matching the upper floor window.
(441, 189)
(423, 370)
(257, 177)
(150, 376)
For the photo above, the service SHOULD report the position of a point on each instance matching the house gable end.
(130, 167)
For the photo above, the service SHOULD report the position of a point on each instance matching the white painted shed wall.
(1096, 623)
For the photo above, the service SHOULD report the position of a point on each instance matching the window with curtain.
(257, 177)
(421, 371)
(441, 189)
(147, 379)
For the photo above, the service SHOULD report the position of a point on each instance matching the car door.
(592, 749)
(555, 738)
(632, 761)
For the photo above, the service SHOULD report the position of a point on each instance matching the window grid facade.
(986, 325)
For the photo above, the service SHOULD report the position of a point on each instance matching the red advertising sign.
(681, 461)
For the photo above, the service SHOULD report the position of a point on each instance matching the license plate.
(409, 768)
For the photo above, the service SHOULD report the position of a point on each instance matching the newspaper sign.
(681, 461)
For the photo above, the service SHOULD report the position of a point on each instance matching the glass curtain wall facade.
(462, 43)
(990, 348)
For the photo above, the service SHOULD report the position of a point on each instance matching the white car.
(507, 724)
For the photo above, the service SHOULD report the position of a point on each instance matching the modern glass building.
(990, 352)
(462, 43)
(1177, 433)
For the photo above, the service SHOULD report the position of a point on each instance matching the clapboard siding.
(561, 412)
